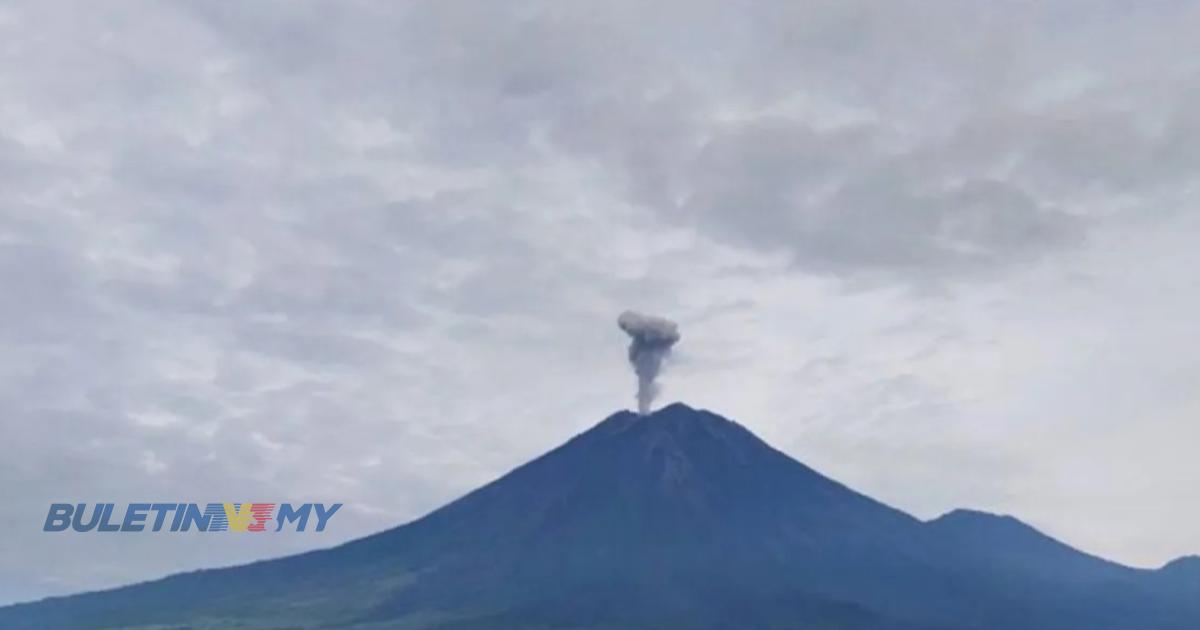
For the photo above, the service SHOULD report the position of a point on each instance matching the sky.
(373, 253)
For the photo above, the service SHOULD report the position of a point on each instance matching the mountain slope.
(682, 519)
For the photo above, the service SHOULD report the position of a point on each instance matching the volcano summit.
(678, 519)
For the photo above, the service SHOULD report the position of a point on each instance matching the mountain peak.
(680, 429)
(676, 411)
(1185, 564)
(675, 408)
(965, 516)
(678, 474)
(680, 518)
(975, 525)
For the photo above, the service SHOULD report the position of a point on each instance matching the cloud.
(250, 247)
(840, 209)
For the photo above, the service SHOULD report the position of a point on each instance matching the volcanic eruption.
(650, 341)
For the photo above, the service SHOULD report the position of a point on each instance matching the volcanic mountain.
(679, 519)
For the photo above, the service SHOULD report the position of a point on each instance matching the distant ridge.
(679, 519)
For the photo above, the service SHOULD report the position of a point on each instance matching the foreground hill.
(681, 519)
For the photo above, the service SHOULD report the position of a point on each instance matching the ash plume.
(650, 341)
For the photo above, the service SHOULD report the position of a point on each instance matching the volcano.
(679, 519)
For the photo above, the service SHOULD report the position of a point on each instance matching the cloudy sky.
(945, 252)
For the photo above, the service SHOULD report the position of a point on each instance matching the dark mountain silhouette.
(682, 519)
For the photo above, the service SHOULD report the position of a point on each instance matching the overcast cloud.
(942, 251)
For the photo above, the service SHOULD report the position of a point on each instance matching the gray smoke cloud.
(650, 342)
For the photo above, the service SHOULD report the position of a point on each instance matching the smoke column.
(650, 341)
